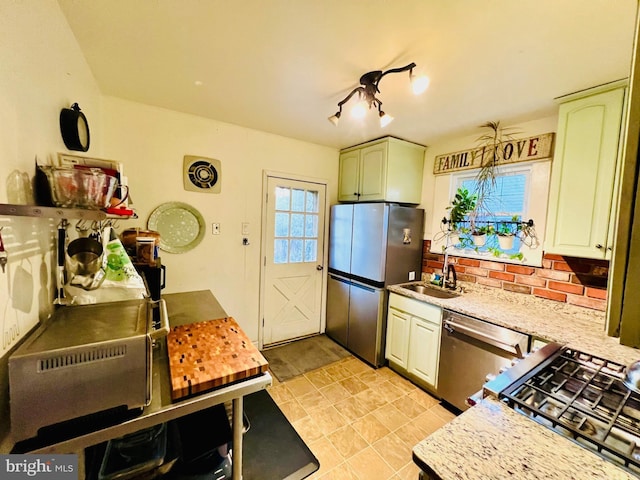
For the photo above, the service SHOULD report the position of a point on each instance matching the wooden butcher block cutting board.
(209, 354)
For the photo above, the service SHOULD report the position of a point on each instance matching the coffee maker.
(154, 277)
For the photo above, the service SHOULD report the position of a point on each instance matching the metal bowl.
(86, 255)
(632, 377)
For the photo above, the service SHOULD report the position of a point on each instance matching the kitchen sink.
(431, 291)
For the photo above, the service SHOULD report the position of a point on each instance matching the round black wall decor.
(201, 174)
(74, 128)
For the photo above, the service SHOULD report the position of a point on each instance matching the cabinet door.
(424, 350)
(397, 337)
(373, 172)
(348, 183)
(583, 175)
(405, 165)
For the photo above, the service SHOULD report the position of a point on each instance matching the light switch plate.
(412, 276)
(215, 229)
(245, 228)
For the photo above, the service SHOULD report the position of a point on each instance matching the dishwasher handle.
(511, 347)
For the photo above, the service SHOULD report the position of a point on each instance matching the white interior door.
(293, 259)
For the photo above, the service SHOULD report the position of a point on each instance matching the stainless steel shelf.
(161, 410)
(50, 212)
(185, 307)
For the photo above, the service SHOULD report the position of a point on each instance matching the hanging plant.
(479, 234)
(491, 153)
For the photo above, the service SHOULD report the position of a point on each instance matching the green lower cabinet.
(413, 339)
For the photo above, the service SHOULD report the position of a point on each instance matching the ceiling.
(281, 66)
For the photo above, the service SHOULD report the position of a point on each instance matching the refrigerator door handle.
(340, 279)
(363, 287)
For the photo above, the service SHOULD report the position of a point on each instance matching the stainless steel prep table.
(183, 308)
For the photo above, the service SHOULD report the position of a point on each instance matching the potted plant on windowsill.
(479, 235)
(506, 236)
(462, 204)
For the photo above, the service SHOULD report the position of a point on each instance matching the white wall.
(42, 71)
(151, 142)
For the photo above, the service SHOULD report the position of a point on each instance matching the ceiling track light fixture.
(369, 88)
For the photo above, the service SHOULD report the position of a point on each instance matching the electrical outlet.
(216, 229)
(412, 276)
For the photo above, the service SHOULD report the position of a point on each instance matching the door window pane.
(281, 251)
(295, 252)
(297, 200)
(282, 224)
(297, 225)
(312, 202)
(310, 250)
(282, 198)
(311, 226)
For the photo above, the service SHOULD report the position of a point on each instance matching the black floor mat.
(302, 356)
(272, 449)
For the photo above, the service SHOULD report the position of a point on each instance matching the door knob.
(319, 267)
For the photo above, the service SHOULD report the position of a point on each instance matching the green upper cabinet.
(585, 173)
(387, 169)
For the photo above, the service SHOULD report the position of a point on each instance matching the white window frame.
(537, 192)
(458, 178)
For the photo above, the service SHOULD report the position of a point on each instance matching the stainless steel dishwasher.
(471, 349)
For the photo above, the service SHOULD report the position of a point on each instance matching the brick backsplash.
(578, 281)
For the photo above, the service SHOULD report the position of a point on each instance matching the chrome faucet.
(448, 270)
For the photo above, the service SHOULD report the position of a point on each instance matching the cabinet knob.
(609, 248)
(598, 245)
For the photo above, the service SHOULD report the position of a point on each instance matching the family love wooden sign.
(522, 150)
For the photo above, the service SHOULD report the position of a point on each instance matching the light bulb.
(359, 110)
(385, 119)
(419, 84)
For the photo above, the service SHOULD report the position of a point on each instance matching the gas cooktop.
(582, 397)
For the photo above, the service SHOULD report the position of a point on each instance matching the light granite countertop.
(577, 327)
(492, 441)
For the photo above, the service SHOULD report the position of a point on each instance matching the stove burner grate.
(582, 397)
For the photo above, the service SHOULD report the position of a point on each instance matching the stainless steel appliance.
(471, 349)
(83, 360)
(580, 396)
(371, 245)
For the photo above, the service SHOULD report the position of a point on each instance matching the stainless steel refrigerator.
(371, 245)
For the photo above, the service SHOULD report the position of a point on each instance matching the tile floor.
(361, 423)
